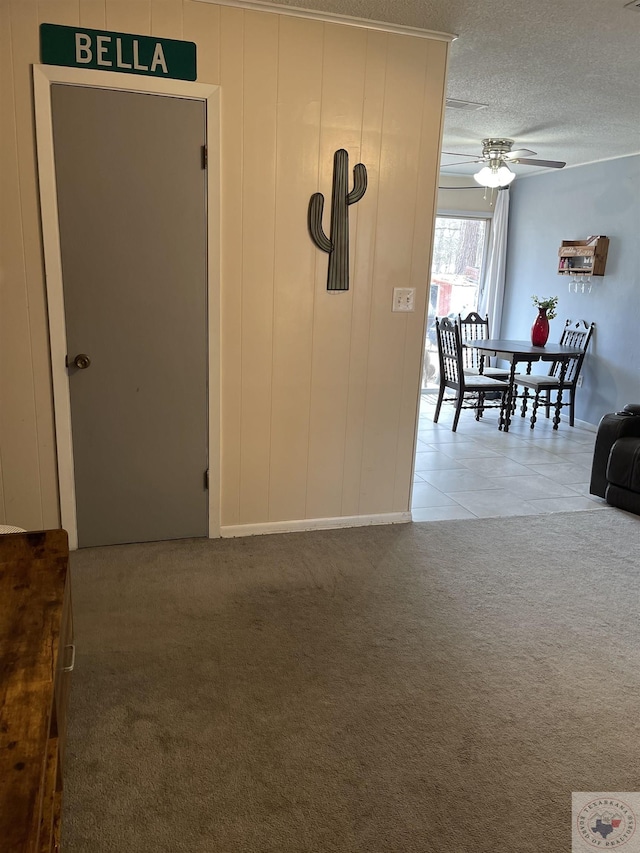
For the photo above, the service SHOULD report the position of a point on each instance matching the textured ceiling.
(561, 77)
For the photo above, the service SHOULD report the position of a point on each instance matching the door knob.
(81, 361)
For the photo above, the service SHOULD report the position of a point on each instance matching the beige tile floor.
(480, 472)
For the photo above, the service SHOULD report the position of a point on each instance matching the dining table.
(517, 352)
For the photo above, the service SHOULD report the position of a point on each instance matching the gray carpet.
(431, 687)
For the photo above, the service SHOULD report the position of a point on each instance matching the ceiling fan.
(497, 154)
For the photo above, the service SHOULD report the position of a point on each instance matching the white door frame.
(43, 78)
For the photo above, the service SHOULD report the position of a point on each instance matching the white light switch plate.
(404, 299)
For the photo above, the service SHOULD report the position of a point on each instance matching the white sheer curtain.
(491, 296)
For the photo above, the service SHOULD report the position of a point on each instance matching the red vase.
(540, 329)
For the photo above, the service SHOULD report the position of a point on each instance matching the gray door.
(132, 211)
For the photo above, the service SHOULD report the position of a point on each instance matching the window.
(456, 273)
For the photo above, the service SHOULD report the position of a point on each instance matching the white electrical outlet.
(404, 299)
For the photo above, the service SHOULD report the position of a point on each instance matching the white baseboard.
(301, 524)
(586, 425)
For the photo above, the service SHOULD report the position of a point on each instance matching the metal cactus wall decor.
(338, 245)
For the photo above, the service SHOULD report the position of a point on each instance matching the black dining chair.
(575, 334)
(472, 328)
(452, 376)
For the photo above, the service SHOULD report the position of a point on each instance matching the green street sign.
(107, 51)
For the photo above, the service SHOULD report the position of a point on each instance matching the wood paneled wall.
(319, 390)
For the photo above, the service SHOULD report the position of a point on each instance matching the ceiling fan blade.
(520, 152)
(463, 163)
(550, 164)
(456, 154)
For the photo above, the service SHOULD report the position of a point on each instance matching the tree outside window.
(456, 272)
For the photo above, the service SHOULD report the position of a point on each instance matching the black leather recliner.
(615, 473)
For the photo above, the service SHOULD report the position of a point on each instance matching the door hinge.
(204, 155)
(206, 479)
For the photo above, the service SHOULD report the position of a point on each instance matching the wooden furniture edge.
(33, 596)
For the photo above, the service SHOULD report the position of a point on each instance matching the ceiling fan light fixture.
(495, 175)
(487, 177)
(506, 175)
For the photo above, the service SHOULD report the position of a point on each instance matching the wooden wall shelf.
(583, 257)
